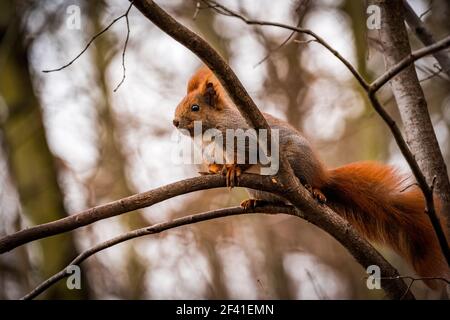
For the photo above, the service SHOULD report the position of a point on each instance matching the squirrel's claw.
(318, 195)
(232, 173)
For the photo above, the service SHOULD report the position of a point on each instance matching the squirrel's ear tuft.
(198, 78)
(210, 94)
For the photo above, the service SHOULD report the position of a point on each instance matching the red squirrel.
(371, 196)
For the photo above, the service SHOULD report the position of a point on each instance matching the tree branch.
(424, 35)
(134, 202)
(217, 7)
(125, 15)
(127, 20)
(158, 228)
(407, 61)
(210, 57)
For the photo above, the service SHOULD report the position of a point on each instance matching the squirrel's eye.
(195, 107)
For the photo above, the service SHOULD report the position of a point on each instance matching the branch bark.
(210, 57)
(319, 215)
(134, 202)
(411, 100)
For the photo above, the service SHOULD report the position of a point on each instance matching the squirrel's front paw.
(214, 168)
(232, 173)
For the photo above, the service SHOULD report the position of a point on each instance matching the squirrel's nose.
(176, 122)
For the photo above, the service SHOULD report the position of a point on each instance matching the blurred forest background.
(69, 142)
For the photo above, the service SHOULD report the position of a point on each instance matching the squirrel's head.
(205, 102)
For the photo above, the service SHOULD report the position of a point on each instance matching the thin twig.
(222, 9)
(305, 41)
(425, 12)
(447, 281)
(425, 36)
(125, 48)
(301, 12)
(409, 186)
(432, 73)
(406, 62)
(125, 15)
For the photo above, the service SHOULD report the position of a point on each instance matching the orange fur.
(372, 198)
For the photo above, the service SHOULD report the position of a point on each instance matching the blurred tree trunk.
(109, 181)
(30, 160)
(411, 102)
(374, 139)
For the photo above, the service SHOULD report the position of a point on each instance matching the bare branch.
(125, 49)
(414, 279)
(125, 15)
(406, 62)
(317, 214)
(422, 32)
(300, 10)
(224, 10)
(447, 281)
(157, 228)
(124, 205)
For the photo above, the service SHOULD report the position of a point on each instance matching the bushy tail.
(375, 200)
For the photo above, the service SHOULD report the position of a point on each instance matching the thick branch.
(315, 213)
(425, 36)
(210, 57)
(134, 202)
